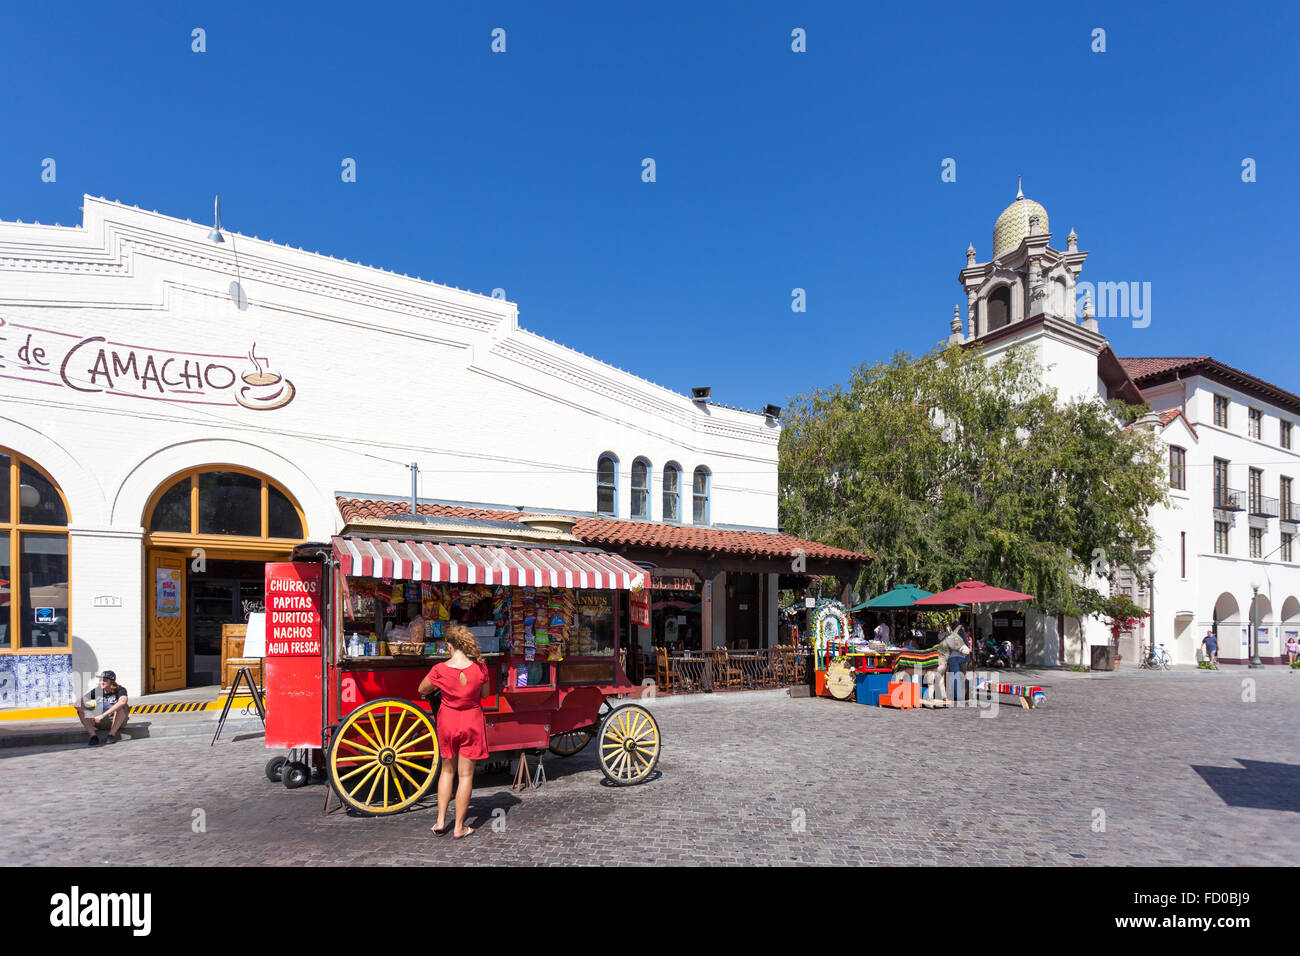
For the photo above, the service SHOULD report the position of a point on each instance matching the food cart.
(344, 663)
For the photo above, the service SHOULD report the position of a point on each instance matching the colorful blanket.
(917, 659)
(1015, 690)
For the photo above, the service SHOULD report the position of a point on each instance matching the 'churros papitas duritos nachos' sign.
(293, 609)
(95, 365)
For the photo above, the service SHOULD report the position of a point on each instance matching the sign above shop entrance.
(94, 365)
(673, 579)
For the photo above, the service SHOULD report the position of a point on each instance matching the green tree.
(947, 467)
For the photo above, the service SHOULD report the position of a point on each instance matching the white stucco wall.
(386, 369)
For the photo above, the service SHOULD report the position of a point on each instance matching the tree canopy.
(948, 466)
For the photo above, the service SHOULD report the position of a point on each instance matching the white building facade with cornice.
(140, 358)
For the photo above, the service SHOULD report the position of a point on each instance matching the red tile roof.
(645, 534)
(1139, 368)
(640, 534)
(359, 509)
(1149, 371)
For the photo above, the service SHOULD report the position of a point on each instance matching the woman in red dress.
(462, 728)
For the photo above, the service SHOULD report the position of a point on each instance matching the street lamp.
(1254, 626)
(1151, 606)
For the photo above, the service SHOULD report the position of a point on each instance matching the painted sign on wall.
(94, 365)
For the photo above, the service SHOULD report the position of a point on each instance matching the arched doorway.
(1227, 626)
(209, 531)
(1290, 625)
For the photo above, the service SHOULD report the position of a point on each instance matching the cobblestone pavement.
(1184, 770)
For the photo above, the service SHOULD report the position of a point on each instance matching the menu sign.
(293, 610)
(641, 607)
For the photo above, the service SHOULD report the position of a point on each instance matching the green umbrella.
(902, 596)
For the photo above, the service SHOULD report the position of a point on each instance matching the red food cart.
(341, 706)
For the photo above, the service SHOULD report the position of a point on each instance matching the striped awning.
(458, 563)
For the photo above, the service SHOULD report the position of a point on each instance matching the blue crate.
(870, 686)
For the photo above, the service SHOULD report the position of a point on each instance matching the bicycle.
(1156, 659)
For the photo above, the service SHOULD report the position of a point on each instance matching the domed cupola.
(1023, 280)
(1013, 225)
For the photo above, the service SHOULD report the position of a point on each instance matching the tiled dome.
(1013, 225)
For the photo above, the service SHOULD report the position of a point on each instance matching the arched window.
(1058, 298)
(700, 496)
(607, 485)
(33, 558)
(640, 488)
(225, 502)
(672, 492)
(999, 308)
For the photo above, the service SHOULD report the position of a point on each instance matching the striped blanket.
(917, 659)
(1016, 690)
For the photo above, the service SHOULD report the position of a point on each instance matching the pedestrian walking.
(1211, 644)
(462, 727)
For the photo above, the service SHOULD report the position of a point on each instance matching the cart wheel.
(569, 743)
(273, 768)
(629, 745)
(295, 775)
(383, 757)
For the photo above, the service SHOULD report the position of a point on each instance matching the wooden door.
(743, 618)
(166, 650)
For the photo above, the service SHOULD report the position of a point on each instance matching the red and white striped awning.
(457, 563)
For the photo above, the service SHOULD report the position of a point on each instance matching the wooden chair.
(725, 674)
(663, 674)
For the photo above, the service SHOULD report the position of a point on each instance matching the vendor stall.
(354, 625)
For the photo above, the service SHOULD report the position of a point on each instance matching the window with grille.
(1284, 428)
(1286, 547)
(1220, 537)
(1256, 542)
(1256, 420)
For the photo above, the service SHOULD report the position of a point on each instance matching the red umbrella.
(972, 592)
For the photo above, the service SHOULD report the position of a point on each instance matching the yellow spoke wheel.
(628, 744)
(569, 743)
(384, 756)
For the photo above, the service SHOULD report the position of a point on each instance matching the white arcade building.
(1226, 541)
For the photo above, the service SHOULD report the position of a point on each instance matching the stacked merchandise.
(559, 610)
(538, 624)
(501, 614)
(435, 608)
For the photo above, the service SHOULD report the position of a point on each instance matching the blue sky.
(775, 170)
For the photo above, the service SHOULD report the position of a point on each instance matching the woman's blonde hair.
(460, 638)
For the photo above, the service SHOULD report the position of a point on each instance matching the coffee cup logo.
(263, 388)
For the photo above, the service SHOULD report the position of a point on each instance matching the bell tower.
(1025, 279)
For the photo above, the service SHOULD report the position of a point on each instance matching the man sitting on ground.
(109, 699)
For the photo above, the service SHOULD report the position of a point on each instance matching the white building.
(174, 411)
(1226, 538)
